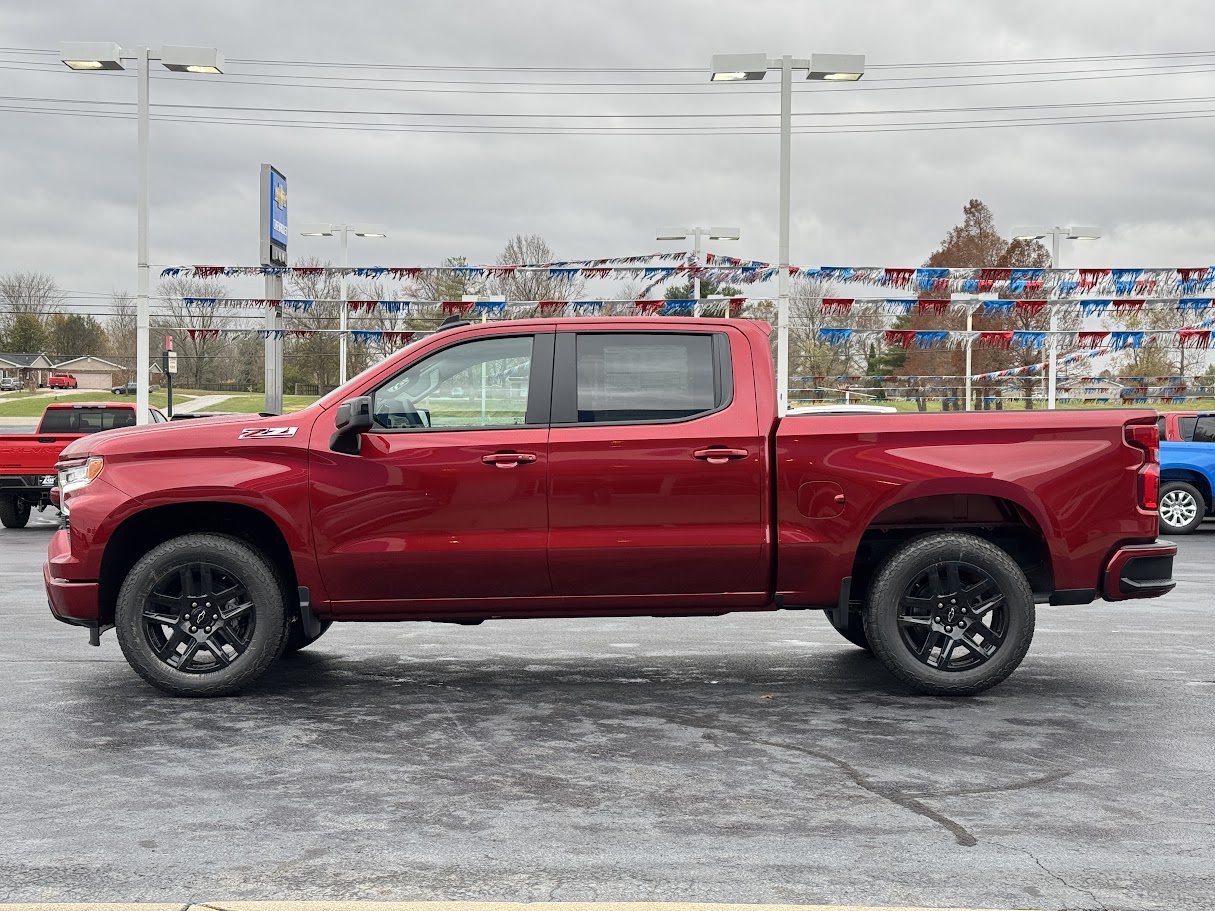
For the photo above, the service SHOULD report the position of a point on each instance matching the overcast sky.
(874, 197)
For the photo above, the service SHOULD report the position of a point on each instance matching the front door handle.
(508, 459)
(720, 455)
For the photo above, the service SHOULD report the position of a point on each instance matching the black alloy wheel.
(952, 616)
(198, 618)
(203, 614)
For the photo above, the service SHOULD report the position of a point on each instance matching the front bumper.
(1139, 571)
(71, 601)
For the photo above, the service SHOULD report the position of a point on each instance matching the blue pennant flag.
(492, 306)
(1027, 275)
(998, 306)
(835, 336)
(1126, 339)
(1194, 303)
(1094, 307)
(1029, 339)
(677, 307)
(899, 304)
(930, 339)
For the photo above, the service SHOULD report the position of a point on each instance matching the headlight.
(74, 476)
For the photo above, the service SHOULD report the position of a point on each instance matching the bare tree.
(446, 286)
(202, 355)
(120, 330)
(31, 293)
(531, 249)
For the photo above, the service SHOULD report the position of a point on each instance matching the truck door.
(446, 501)
(657, 469)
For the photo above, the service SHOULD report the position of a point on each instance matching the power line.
(617, 116)
(556, 130)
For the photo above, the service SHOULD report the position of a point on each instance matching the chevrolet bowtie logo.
(280, 196)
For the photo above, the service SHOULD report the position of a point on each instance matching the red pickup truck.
(27, 460)
(599, 467)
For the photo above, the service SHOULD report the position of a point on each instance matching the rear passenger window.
(634, 377)
(1160, 428)
(1204, 430)
(1185, 426)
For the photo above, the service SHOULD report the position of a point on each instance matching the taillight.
(1147, 438)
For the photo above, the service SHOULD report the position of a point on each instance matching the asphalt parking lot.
(741, 759)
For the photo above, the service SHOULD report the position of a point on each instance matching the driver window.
(481, 383)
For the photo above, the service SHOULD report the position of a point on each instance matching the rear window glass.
(85, 420)
(1204, 430)
(1185, 426)
(635, 377)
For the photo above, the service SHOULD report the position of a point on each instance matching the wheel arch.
(1191, 476)
(139, 533)
(1007, 523)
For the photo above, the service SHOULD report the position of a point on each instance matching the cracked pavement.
(746, 758)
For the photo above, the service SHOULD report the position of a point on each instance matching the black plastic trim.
(1074, 596)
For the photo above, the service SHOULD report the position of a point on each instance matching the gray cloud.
(858, 198)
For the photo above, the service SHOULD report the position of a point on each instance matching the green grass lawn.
(252, 404)
(31, 406)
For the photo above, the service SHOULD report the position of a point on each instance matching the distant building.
(92, 372)
(28, 369)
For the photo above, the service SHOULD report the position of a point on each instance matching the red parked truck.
(61, 381)
(27, 460)
(599, 467)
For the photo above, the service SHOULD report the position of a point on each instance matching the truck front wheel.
(950, 614)
(201, 615)
(14, 512)
(1182, 508)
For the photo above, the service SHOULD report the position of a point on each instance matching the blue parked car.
(1187, 479)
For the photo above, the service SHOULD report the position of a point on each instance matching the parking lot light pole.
(343, 232)
(717, 233)
(752, 67)
(1055, 233)
(89, 56)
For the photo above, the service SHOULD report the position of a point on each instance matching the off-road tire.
(854, 632)
(14, 512)
(1181, 491)
(971, 556)
(232, 557)
(296, 640)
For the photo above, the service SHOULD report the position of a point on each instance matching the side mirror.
(353, 418)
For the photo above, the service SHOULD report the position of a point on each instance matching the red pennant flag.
(1031, 307)
(902, 338)
(208, 271)
(550, 308)
(460, 307)
(1091, 339)
(649, 306)
(899, 277)
(930, 305)
(995, 275)
(995, 339)
(839, 304)
(1128, 304)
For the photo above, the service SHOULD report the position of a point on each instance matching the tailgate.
(32, 453)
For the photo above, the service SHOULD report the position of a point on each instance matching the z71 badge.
(262, 433)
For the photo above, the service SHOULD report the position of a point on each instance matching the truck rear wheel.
(14, 512)
(950, 614)
(1182, 508)
(201, 615)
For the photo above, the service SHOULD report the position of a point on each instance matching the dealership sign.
(274, 217)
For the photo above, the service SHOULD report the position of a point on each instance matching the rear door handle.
(508, 459)
(719, 456)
